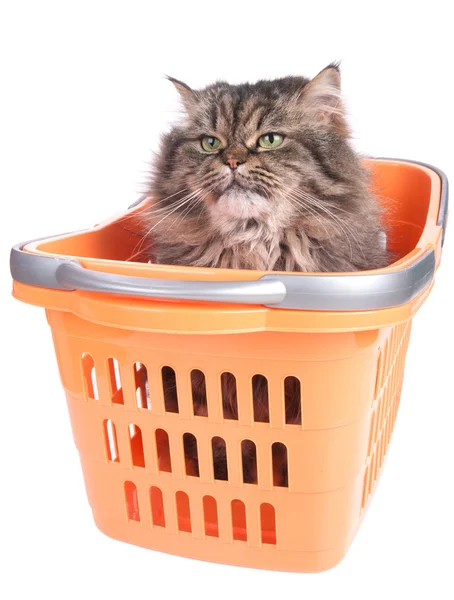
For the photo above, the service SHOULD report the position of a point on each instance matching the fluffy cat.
(262, 176)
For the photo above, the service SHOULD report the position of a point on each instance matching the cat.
(263, 176)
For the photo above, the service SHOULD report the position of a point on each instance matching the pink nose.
(234, 163)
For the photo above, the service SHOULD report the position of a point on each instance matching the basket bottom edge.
(210, 549)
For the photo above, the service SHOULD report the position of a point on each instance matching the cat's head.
(250, 152)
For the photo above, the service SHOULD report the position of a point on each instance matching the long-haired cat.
(262, 176)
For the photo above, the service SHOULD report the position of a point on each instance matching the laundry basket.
(340, 340)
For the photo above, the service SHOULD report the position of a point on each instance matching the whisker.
(343, 226)
(174, 206)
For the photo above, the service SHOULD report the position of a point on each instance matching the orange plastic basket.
(341, 338)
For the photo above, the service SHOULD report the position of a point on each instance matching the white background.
(83, 100)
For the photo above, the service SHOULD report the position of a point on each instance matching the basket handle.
(330, 292)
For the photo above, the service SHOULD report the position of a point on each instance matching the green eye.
(211, 144)
(270, 140)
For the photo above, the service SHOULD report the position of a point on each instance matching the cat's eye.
(211, 144)
(269, 141)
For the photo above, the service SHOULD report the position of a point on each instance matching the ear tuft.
(322, 97)
(188, 95)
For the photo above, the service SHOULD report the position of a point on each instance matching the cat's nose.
(234, 163)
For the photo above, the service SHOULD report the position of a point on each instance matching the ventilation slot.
(183, 512)
(268, 523)
(163, 450)
(260, 399)
(199, 393)
(219, 451)
(89, 375)
(157, 507)
(378, 378)
(365, 489)
(229, 396)
(169, 386)
(249, 461)
(110, 441)
(210, 516)
(141, 384)
(292, 394)
(239, 529)
(191, 457)
(116, 392)
(132, 501)
(136, 443)
(280, 467)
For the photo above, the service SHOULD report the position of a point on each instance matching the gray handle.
(294, 291)
(72, 275)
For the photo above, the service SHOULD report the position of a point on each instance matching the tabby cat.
(263, 176)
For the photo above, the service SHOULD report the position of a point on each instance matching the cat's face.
(246, 152)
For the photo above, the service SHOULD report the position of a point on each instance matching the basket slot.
(292, 395)
(385, 363)
(183, 511)
(260, 399)
(387, 432)
(239, 526)
(276, 403)
(210, 516)
(136, 445)
(371, 474)
(191, 456)
(143, 500)
(132, 501)
(170, 510)
(124, 445)
(379, 376)
(110, 441)
(196, 517)
(371, 435)
(234, 462)
(219, 457)
(178, 458)
(149, 448)
(113, 376)
(365, 488)
(143, 399)
(377, 460)
(244, 394)
(264, 470)
(213, 400)
(268, 523)
(181, 398)
(155, 389)
(254, 532)
(157, 507)
(205, 462)
(382, 447)
(229, 395)
(225, 520)
(280, 464)
(199, 393)
(249, 461)
(169, 386)
(163, 450)
(89, 377)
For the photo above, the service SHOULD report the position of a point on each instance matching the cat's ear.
(188, 95)
(322, 98)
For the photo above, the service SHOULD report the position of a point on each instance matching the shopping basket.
(339, 339)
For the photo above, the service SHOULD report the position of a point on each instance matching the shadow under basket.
(135, 340)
